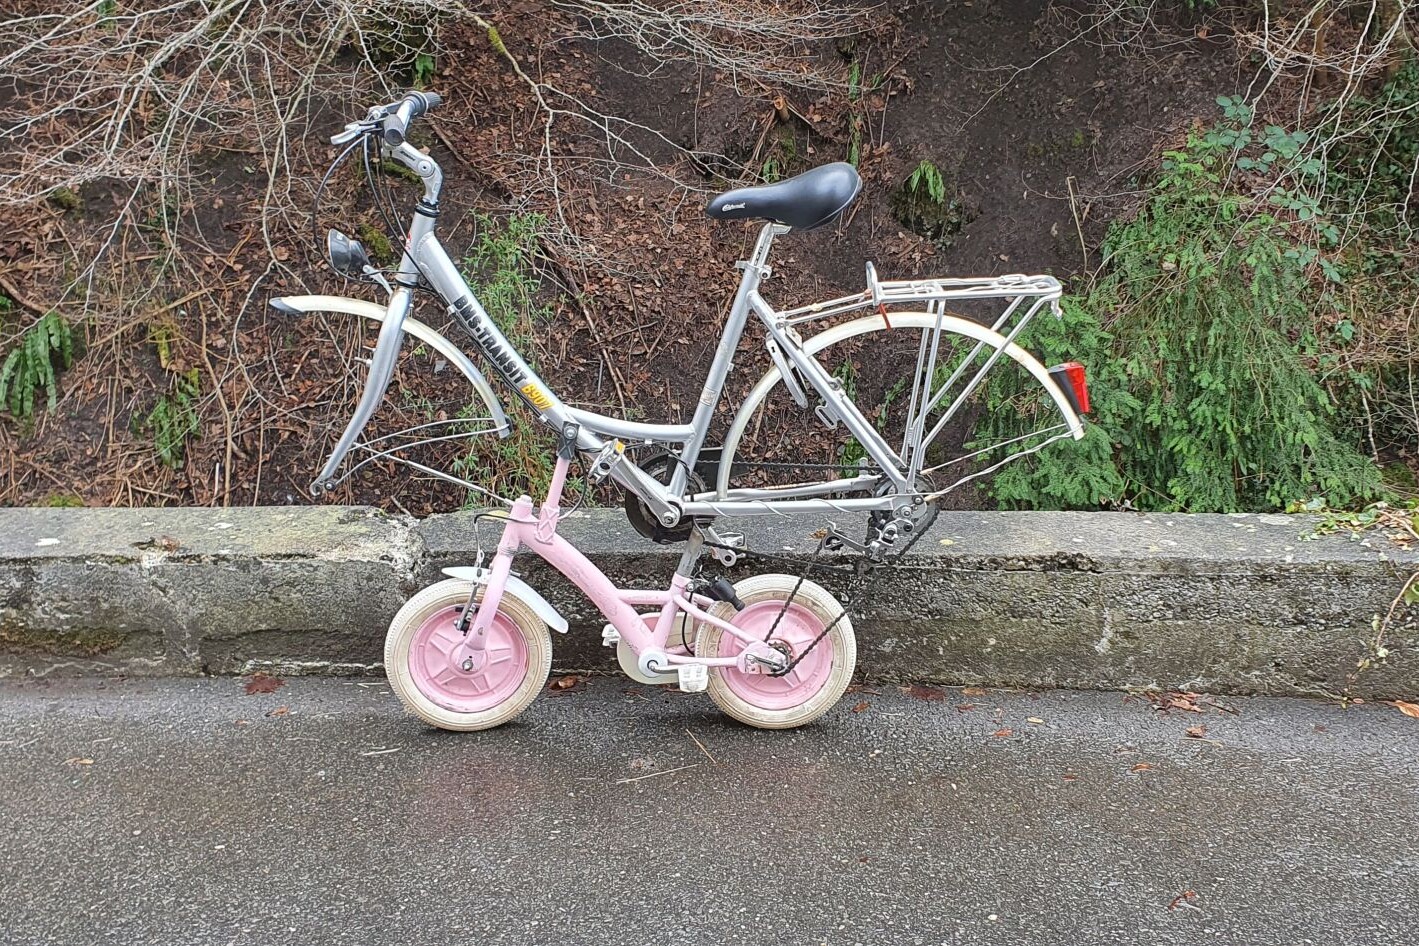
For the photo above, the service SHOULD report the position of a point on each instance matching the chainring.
(643, 520)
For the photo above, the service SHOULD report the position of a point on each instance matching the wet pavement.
(188, 812)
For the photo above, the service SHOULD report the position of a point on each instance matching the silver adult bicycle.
(929, 344)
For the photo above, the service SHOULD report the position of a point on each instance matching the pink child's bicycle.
(774, 651)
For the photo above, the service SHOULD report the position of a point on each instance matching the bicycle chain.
(815, 566)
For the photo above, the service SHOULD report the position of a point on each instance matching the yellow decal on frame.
(537, 396)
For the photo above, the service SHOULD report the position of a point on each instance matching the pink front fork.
(540, 536)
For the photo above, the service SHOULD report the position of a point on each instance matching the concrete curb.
(1097, 600)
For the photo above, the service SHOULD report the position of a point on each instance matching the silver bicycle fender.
(520, 589)
(922, 320)
(344, 305)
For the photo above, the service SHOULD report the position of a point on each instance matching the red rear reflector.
(1074, 371)
(1070, 378)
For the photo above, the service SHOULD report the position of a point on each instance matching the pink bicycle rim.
(797, 630)
(437, 672)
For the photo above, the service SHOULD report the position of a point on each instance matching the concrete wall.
(1102, 600)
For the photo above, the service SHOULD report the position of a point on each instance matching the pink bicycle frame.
(539, 534)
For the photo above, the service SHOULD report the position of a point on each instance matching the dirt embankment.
(1036, 132)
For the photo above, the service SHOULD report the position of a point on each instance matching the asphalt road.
(187, 812)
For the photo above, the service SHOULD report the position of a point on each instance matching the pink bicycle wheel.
(437, 670)
(793, 635)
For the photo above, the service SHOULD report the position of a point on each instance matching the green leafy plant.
(173, 420)
(32, 366)
(859, 109)
(926, 204)
(1200, 340)
(423, 70)
(926, 182)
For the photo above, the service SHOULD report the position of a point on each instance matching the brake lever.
(353, 131)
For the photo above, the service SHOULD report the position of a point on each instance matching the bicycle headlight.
(347, 256)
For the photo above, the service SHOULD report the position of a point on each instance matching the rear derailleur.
(889, 534)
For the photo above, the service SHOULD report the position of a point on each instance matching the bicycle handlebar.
(413, 105)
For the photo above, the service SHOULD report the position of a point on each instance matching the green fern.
(173, 420)
(1199, 341)
(927, 180)
(31, 366)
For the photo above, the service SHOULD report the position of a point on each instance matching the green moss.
(16, 638)
(65, 199)
(395, 169)
(380, 249)
(63, 501)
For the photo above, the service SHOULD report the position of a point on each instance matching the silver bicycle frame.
(425, 258)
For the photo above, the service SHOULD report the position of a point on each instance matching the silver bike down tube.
(433, 261)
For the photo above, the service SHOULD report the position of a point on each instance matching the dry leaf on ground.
(1408, 709)
(1196, 732)
(861, 706)
(1187, 896)
(567, 683)
(263, 683)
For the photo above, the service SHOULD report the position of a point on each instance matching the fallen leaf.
(279, 711)
(1196, 732)
(1141, 767)
(1003, 733)
(78, 761)
(974, 691)
(1069, 777)
(1187, 896)
(263, 683)
(1034, 719)
(861, 706)
(965, 707)
(1408, 709)
(929, 694)
(1166, 702)
(568, 683)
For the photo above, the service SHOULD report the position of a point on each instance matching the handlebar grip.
(411, 106)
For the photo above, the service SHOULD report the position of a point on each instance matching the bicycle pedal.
(694, 678)
(610, 637)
